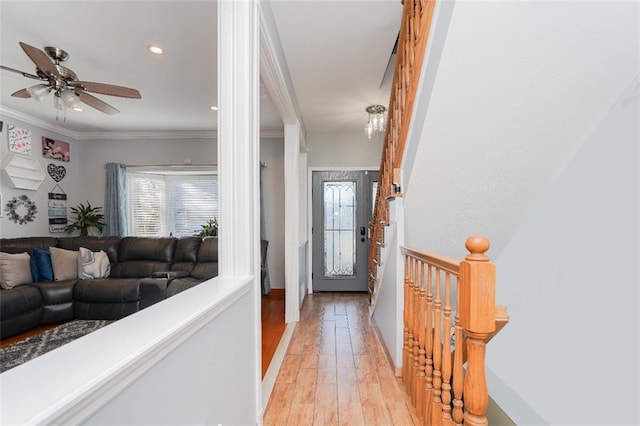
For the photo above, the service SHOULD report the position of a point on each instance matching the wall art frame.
(19, 140)
(56, 150)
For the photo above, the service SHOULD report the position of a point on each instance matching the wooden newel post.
(477, 309)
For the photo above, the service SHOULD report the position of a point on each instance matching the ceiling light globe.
(38, 92)
(59, 103)
(69, 98)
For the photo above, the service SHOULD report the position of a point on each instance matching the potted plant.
(209, 229)
(86, 217)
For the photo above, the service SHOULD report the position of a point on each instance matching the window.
(162, 204)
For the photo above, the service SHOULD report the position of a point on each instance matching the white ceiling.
(337, 53)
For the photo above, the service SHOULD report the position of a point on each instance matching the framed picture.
(19, 140)
(54, 149)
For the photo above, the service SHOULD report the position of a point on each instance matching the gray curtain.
(115, 210)
(266, 284)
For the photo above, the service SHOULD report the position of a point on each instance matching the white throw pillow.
(93, 264)
(65, 263)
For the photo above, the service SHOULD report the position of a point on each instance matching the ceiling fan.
(64, 84)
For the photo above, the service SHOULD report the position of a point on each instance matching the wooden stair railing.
(449, 316)
(414, 30)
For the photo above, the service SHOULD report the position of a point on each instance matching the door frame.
(310, 171)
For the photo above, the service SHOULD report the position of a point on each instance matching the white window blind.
(161, 205)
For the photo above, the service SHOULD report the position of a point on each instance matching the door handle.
(363, 230)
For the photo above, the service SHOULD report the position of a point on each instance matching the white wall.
(570, 278)
(272, 153)
(71, 183)
(173, 392)
(343, 149)
(389, 304)
(520, 85)
(96, 153)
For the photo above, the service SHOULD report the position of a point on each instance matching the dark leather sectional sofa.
(144, 271)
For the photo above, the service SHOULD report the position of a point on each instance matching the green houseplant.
(86, 217)
(209, 229)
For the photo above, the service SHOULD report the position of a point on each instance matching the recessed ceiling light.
(156, 50)
(77, 109)
(213, 107)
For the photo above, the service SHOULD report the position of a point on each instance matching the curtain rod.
(171, 165)
(262, 164)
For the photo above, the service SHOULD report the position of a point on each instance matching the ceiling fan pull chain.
(64, 117)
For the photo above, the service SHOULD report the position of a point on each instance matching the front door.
(342, 208)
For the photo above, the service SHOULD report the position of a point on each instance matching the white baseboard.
(270, 376)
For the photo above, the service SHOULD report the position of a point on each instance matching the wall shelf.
(23, 172)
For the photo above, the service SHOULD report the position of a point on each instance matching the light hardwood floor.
(335, 371)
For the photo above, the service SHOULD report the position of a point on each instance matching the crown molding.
(155, 134)
(29, 119)
(119, 135)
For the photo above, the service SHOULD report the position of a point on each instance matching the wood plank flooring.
(273, 325)
(335, 371)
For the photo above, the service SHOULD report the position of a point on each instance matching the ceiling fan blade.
(22, 93)
(96, 103)
(26, 74)
(107, 89)
(42, 61)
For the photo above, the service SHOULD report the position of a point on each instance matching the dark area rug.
(35, 346)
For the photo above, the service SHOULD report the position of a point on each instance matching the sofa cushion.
(15, 269)
(107, 290)
(186, 254)
(205, 270)
(41, 267)
(142, 248)
(207, 266)
(92, 264)
(104, 311)
(139, 257)
(65, 263)
(208, 251)
(21, 245)
(56, 293)
(181, 284)
(107, 244)
(19, 300)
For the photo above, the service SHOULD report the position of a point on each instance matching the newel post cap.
(477, 246)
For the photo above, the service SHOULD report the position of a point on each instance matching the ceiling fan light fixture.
(58, 102)
(70, 99)
(67, 90)
(38, 92)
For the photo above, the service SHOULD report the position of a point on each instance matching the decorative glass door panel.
(339, 229)
(341, 212)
